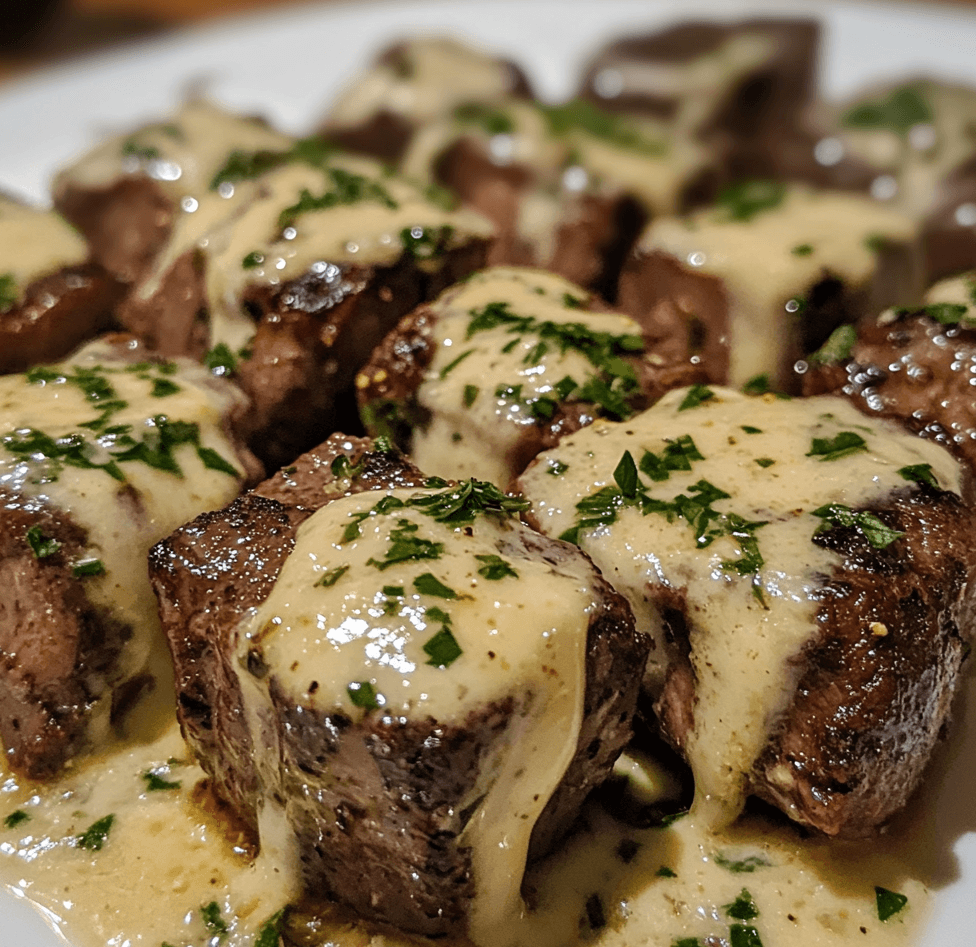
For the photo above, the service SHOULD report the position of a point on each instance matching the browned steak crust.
(375, 805)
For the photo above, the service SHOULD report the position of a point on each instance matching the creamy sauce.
(765, 281)
(425, 79)
(455, 638)
(957, 291)
(474, 429)
(743, 628)
(34, 243)
(123, 518)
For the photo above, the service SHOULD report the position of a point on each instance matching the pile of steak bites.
(443, 300)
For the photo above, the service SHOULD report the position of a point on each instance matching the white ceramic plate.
(289, 64)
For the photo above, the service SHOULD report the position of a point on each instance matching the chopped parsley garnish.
(330, 578)
(8, 292)
(743, 908)
(132, 149)
(447, 369)
(221, 360)
(495, 568)
(625, 475)
(920, 473)
(875, 242)
(253, 260)
(749, 429)
(42, 546)
(347, 188)
(404, 547)
(874, 530)
(363, 694)
(899, 111)
(270, 933)
(764, 461)
(213, 461)
(459, 505)
(677, 455)
(442, 649)
(470, 395)
(615, 378)
(425, 243)
(342, 467)
(835, 448)
(803, 249)
(758, 385)
(163, 387)
(947, 314)
(212, 920)
(741, 866)
(665, 872)
(429, 584)
(17, 817)
(744, 935)
(156, 783)
(87, 567)
(697, 394)
(741, 202)
(580, 115)
(95, 836)
(838, 347)
(889, 903)
(247, 165)
(556, 468)
(492, 121)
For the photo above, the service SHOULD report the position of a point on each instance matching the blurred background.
(39, 32)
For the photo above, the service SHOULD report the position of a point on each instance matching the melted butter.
(35, 243)
(339, 620)
(741, 651)
(920, 159)
(426, 78)
(122, 519)
(761, 274)
(480, 439)
(181, 156)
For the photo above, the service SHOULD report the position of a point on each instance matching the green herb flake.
(41, 545)
(875, 242)
(947, 314)
(471, 393)
(447, 369)
(253, 260)
(269, 934)
(95, 836)
(625, 475)
(163, 387)
(803, 249)
(742, 202)
(749, 429)
(920, 473)
(744, 935)
(582, 116)
(363, 694)
(492, 121)
(8, 292)
(759, 385)
(346, 189)
(220, 360)
(328, 579)
(889, 903)
(425, 243)
(743, 908)
(429, 584)
(495, 568)
(899, 111)
(697, 394)
(665, 872)
(396, 591)
(212, 919)
(764, 461)
(442, 649)
(844, 444)
(156, 783)
(405, 547)
(874, 530)
(739, 866)
(838, 347)
(17, 817)
(556, 468)
(87, 567)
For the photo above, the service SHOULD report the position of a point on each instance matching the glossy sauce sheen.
(741, 647)
(521, 635)
(478, 439)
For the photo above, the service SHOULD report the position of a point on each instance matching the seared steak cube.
(807, 575)
(463, 684)
(100, 456)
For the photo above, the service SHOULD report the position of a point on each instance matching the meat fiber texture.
(71, 664)
(401, 392)
(379, 834)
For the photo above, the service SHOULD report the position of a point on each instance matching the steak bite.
(52, 298)
(126, 193)
(293, 284)
(807, 578)
(762, 279)
(568, 187)
(411, 84)
(100, 455)
(913, 364)
(502, 366)
(398, 675)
